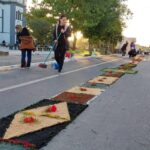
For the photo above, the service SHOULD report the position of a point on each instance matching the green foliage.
(40, 25)
(99, 20)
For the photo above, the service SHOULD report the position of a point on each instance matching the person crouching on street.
(62, 44)
(132, 52)
(26, 47)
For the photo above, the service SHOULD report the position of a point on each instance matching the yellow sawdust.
(104, 80)
(91, 91)
(18, 127)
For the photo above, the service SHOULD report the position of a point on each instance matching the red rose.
(83, 89)
(52, 109)
(29, 120)
(27, 145)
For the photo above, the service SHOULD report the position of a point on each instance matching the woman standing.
(26, 47)
(18, 34)
(60, 37)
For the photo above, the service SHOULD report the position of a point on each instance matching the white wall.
(7, 8)
(6, 35)
(19, 22)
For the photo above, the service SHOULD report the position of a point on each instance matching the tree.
(97, 19)
(110, 26)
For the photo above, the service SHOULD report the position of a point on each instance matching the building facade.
(11, 14)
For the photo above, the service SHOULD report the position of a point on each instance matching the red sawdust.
(113, 74)
(73, 97)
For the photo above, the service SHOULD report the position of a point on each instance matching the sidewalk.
(12, 61)
(18, 53)
(117, 120)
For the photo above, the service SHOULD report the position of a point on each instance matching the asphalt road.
(22, 87)
(15, 59)
(116, 120)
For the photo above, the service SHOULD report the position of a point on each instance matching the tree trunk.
(90, 47)
(74, 42)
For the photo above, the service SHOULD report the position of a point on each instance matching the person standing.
(124, 48)
(60, 36)
(4, 43)
(26, 47)
(18, 33)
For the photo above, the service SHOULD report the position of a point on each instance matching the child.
(62, 44)
(26, 47)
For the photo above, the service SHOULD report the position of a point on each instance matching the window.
(1, 20)
(18, 15)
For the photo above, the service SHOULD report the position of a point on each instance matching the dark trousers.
(24, 62)
(60, 56)
(132, 53)
(123, 52)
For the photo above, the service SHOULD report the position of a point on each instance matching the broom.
(44, 65)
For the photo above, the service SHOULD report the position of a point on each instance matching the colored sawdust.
(125, 71)
(73, 97)
(112, 70)
(108, 58)
(113, 74)
(10, 146)
(138, 58)
(84, 90)
(18, 127)
(41, 137)
(127, 66)
(95, 85)
(104, 80)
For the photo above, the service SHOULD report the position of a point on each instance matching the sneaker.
(59, 70)
(57, 66)
(54, 66)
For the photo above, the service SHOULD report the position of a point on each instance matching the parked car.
(146, 52)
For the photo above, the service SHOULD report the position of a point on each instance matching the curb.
(11, 67)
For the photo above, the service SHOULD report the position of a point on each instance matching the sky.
(29, 2)
(139, 25)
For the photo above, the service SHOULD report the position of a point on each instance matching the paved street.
(97, 97)
(20, 88)
(116, 120)
(14, 59)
